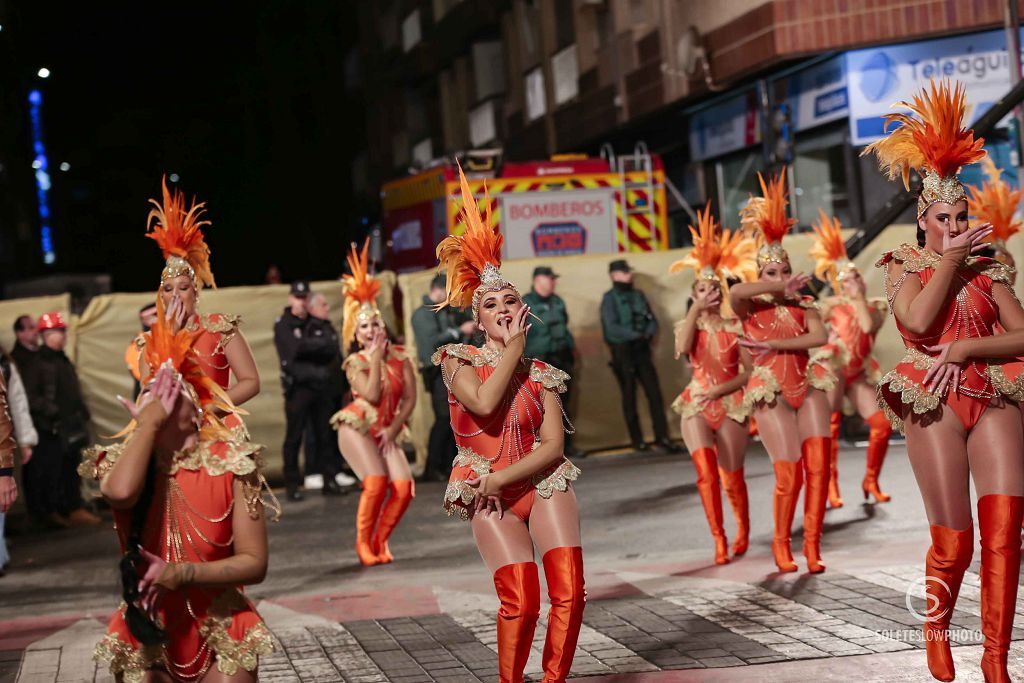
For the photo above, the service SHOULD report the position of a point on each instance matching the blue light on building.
(41, 166)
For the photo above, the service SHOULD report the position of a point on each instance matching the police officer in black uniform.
(629, 327)
(550, 339)
(306, 351)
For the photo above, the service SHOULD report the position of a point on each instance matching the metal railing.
(898, 203)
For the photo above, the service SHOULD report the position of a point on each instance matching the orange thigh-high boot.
(736, 489)
(788, 479)
(374, 488)
(563, 569)
(706, 462)
(402, 492)
(816, 453)
(834, 499)
(878, 445)
(518, 588)
(999, 520)
(947, 560)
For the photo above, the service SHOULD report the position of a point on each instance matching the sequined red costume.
(849, 345)
(190, 521)
(789, 374)
(715, 359)
(973, 314)
(487, 444)
(366, 417)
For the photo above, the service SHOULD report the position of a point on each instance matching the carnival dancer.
(188, 507)
(713, 415)
(510, 477)
(785, 390)
(853, 321)
(221, 348)
(956, 403)
(372, 428)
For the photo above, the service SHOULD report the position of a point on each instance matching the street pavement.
(658, 608)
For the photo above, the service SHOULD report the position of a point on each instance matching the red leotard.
(971, 312)
(790, 373)
(849, 346)
(493, 442)
(714, 359)
(366, 417)
(190, 520)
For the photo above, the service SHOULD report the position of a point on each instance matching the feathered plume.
(179, 232)
(829, 250)
(729, 254)
(931, 137)
(360, 289)
(163, 346)
(765, 216)
(465, 256)
(996, 203)
(707, 249)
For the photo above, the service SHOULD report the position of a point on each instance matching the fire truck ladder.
(629, 167)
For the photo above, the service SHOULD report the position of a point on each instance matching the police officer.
(433, 330)
(629, 327)
(550, 339)
(305, 351)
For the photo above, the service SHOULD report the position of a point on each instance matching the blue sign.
(559, 239)
(879, 77)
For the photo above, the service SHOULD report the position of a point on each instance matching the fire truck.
(569, 204)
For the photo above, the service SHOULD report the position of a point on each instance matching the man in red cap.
(52, 484)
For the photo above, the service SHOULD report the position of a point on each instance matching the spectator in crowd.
(52, 484)
(432, 330)
(273, 276)
(334, 391)
(550, 339)
(24, 433)
(304, 358)
(26, 344)
(629, 328)
(147, 316)
(8, 487)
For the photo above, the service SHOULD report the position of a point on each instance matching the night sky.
(246, 102)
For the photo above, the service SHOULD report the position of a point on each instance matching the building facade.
(721, 90)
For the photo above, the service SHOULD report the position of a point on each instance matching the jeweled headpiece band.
(176, 267)
(368, 312)
(935, 189)
(491, 280)
(707, 273)
(771, 252)
(844, 269)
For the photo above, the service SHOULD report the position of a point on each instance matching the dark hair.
(140, 625)
(17, 323)
(147, 307)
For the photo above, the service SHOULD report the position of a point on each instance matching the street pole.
(1013, 50)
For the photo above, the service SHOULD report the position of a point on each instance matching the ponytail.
(139, 624)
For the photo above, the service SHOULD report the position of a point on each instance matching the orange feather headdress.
(163, 347)
(932, 140)
(765, 217)
(361, 290)
(179, 233)
(829, 251)
(996, 203)
(718, 254)
(472, 259)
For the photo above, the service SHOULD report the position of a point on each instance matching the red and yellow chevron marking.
(644, 232)
(424, 187)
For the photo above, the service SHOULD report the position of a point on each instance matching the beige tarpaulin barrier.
(110, 322)
(597, 411)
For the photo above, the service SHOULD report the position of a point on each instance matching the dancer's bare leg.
(360, 452)
(696, 433)
(780, 434)
(863, 397)
(995, 449)
(732, 438)
(779, 430)
(937, 450)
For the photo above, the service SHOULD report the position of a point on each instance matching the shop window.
(565, 33)
(565, 70)
(820, 176)
(736, 177)
(488, 69)
(482, 128)
(412, 32)
(536, 100)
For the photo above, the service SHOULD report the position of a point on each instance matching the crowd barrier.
(100, 335)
